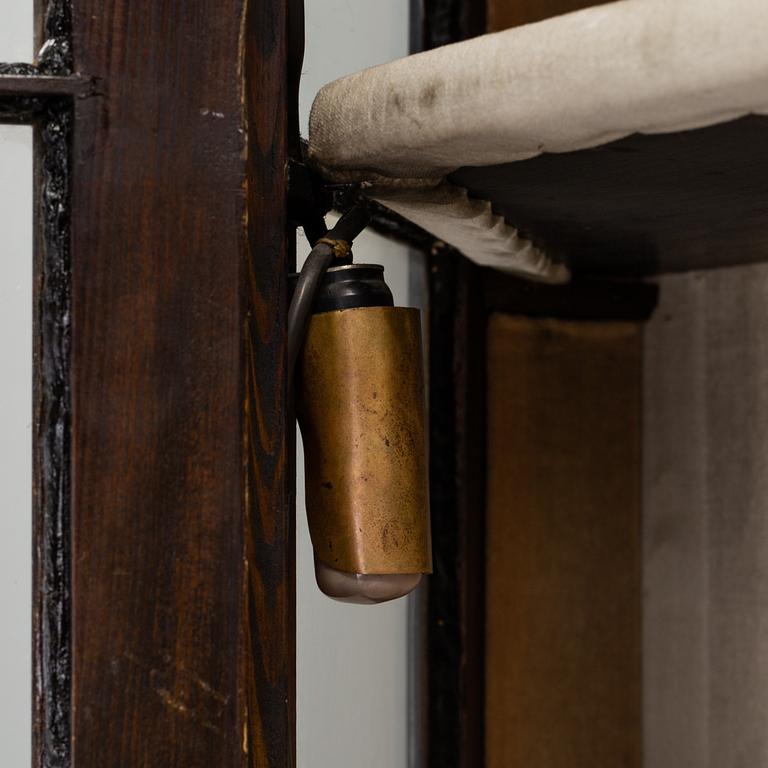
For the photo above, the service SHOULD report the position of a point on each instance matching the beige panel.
(706, 529)
(675, 643)
(563, 578)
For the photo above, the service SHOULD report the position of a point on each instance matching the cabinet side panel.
(563, 541)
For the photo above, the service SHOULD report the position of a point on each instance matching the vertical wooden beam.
(455, 611)
(270, 620)
(182, 545)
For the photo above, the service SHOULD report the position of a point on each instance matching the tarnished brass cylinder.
(361, 408)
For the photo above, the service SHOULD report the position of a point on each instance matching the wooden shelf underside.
(646, 204)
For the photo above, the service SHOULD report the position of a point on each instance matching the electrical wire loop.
(336, 244)
(341, 248)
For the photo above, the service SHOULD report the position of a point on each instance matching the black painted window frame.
(41, 94)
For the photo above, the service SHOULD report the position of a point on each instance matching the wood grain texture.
(563, 600)
(33, 85)
(27, 98)
(644, 204)
(503, 14)
(589, 299)
(270, 618)
(182, 575)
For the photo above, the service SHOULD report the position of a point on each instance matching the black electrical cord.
(316, 265)
(335, 245)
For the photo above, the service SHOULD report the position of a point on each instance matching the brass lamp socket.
(361, 408)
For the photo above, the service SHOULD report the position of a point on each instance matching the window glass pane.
(15, 444)
(16, 30)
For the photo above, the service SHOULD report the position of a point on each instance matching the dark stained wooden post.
(182, 532)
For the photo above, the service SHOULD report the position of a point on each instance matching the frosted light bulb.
(363, 588)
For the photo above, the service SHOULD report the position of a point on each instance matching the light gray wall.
(15, 444)
(706, 522)
(351, 659)
(16, 30)
(15, 407)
